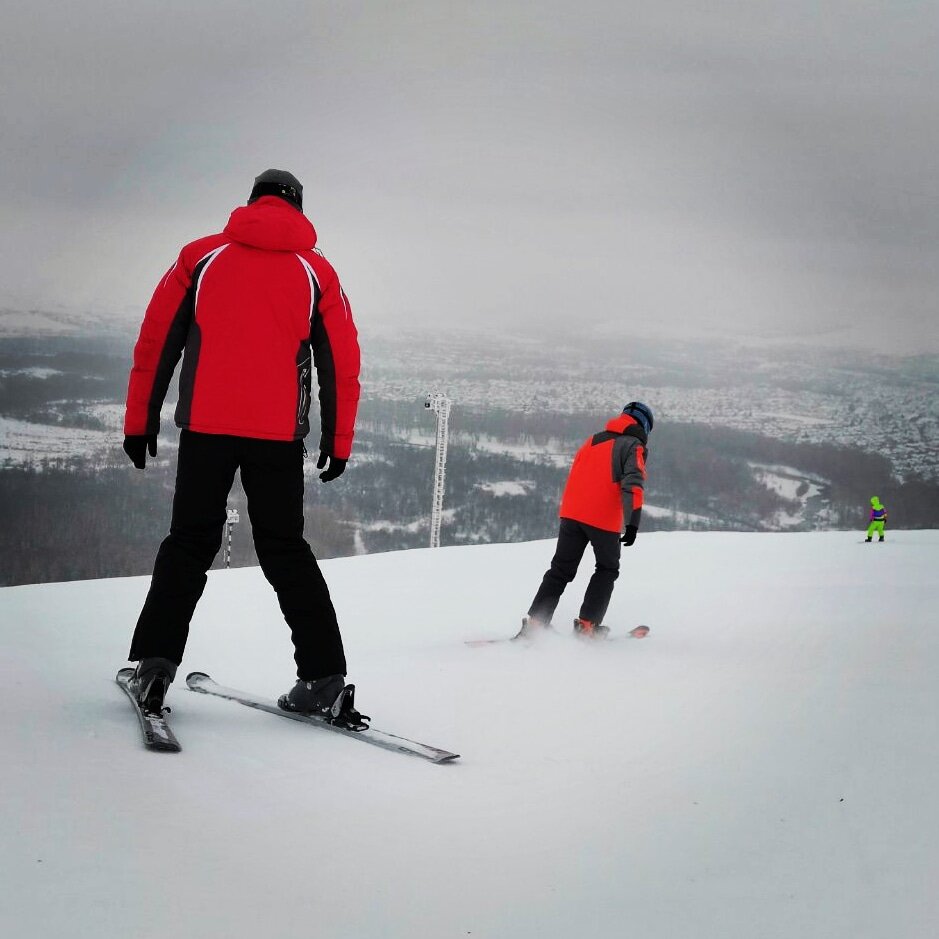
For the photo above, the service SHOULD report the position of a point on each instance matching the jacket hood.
(875, 502)
(272, 224)
(624, 423)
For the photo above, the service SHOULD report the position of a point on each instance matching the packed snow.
(764, 764)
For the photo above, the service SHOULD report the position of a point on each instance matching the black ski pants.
(272, 476)
(573, 539)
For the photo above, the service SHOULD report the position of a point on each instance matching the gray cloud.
(747, 168)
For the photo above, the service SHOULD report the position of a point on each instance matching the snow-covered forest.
(76, 508)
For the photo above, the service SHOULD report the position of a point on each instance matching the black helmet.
(278, 183)
(641, 412)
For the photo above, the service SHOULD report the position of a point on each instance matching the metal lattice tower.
(440, 404)
(232, 520)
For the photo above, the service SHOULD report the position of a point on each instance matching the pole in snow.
(440, 404)
(233, 519)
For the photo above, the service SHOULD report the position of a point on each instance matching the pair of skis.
(157, 734)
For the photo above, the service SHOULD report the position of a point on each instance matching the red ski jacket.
(607, 478)
(249, 306)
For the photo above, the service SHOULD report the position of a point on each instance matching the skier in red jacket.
(604, 490)
(252, 310)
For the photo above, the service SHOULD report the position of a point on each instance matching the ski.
(523, 637)
(157, 734)
(637, 632)
(490, 642)
(203, 684)
(495, 640)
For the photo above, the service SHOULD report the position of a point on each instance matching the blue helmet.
(642, 413)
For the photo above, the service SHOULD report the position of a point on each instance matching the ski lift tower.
(440, 404)
(232, 520)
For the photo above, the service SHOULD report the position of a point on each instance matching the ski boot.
(151, 680)
(587, 630)
(328, 698)
(868, 539)
(531, 627)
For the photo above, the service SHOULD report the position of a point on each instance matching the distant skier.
(248, 306)
(878, 519)
(604, 490)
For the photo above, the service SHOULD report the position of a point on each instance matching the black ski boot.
(152, 679)
(329, 698)
(531, 626)
(587, 630)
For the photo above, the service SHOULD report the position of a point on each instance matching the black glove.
(629, 535)
(335, 468)
(137, 446)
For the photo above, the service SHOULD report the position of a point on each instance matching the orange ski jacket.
(256, 308)
(607, 478)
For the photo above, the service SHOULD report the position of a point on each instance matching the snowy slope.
(764, 765)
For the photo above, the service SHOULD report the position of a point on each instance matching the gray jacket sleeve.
(629, 470)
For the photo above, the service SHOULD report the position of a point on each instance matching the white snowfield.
(25, 441)
(764, 766)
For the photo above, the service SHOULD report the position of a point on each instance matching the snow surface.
(25, 441)
(657, 511)
(507, 487)
(764, 765)
(33, 372)
(785, 481)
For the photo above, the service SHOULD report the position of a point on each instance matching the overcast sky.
(752, 169)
